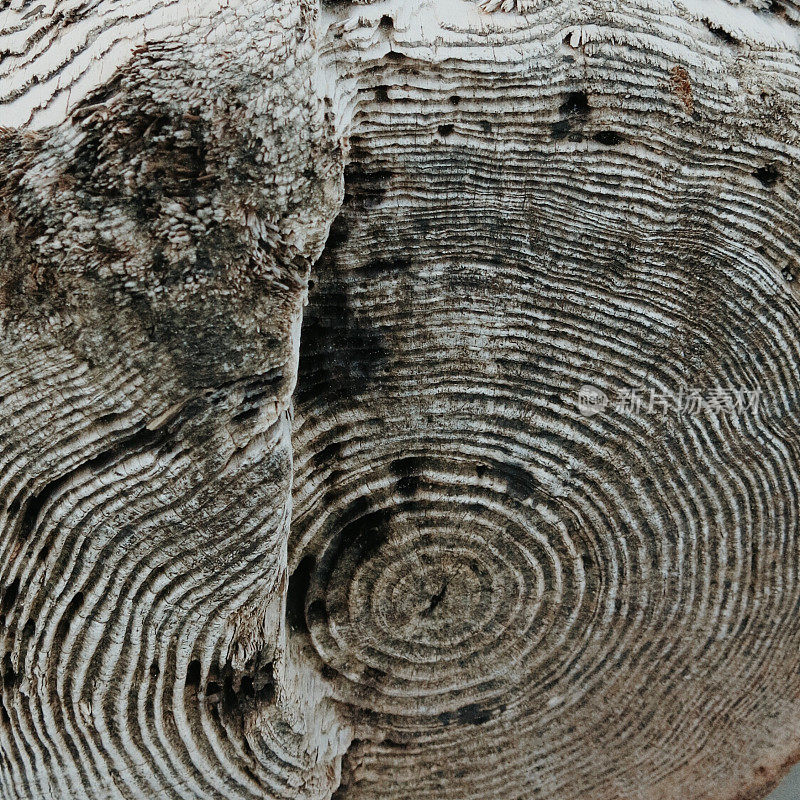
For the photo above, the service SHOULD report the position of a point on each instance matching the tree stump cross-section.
(399, 399)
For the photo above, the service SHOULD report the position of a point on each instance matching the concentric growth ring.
(411, 591)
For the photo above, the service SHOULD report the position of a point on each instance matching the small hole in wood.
(767, 175)
(299, 582)
(193, 673)
(721, 33)
(577, 103)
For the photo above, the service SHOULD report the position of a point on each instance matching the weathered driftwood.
(435, 575)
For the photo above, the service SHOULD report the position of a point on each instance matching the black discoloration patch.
(360, 537)
(198, 339)
(318, 613)
(168, 151)
(521, 484)
(10, 596)
(560, 129)
(408, 471)
(10, 677)
(385, 267)
(364, 188)
(338, 234)
(328, 672)
(608, 138)
(409, 485)
(328, 455)
(472, 714)
(338, 354)
(574, 112)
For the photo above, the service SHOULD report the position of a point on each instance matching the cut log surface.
(298, 496)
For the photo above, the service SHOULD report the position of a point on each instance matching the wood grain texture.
(156, 246)
(386, 555)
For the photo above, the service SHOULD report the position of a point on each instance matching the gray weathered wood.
(390, 554)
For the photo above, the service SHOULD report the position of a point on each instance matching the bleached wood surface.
(386, 555)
